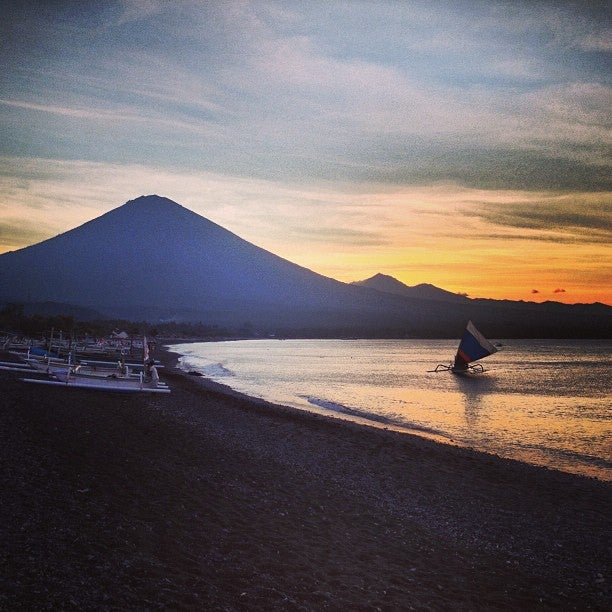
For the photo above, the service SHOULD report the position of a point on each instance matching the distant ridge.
(153, 259)
(425, 291)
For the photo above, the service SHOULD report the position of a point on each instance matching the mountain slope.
(154, 258)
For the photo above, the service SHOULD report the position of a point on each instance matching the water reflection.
(546, 402)
(473, 389)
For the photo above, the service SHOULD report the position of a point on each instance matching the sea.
(544, 402)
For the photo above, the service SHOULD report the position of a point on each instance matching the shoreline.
(170, 360)
(203, 500)
(597, 470)
(211, 385)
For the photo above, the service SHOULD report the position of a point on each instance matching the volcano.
(154, 260)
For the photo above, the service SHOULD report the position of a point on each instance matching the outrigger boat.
(130, 385)
(46, 364)
(110, 378)
(473, 346)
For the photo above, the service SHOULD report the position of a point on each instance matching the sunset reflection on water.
(540, 401)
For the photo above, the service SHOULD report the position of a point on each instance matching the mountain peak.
(147, 204)
(152, 255)
(381, 276)
(165, 221)
(153, 201)
(389, 284)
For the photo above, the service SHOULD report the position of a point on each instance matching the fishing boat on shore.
(126, 385)
(472, 347)
(42, 361)
(119, 377)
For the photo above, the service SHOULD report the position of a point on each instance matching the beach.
(207, 500)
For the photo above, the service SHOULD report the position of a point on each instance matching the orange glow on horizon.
(483, 243)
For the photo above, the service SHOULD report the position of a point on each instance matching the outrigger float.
(473, 346)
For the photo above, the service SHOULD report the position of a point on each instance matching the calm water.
(542, 401)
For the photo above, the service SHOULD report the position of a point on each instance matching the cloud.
(574, 217)
(597, 41)
(96, 114)
(583, 27)
(137, 10)
(16, 233)
(337, 235)
(534, 291)
(559, 291)
(266, 213)
(399, 94)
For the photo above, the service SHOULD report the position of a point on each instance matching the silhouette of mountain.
(425, 291)
(152, 259)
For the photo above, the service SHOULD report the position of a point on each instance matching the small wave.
(328, 405)
(217, 370)
(211, 370)
(571, 456)
(377, 418)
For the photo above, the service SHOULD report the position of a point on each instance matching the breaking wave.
(334, 406)
(370, 416)
(215, 370)
(211, 370)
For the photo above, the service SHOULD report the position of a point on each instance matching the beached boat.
(119, 379)
(472, 347)
(125, 385)
(99, 375)
(15, 366)
(43, 362)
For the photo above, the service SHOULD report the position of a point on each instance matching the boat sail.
(472, 347)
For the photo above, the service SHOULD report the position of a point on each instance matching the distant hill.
(152, 259)
(424, 291)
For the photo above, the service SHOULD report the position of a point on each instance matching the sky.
(460, 143)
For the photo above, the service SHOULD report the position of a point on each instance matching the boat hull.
(100, 385)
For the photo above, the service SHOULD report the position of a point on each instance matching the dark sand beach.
(201, 500)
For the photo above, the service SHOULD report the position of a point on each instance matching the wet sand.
(203, 500)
